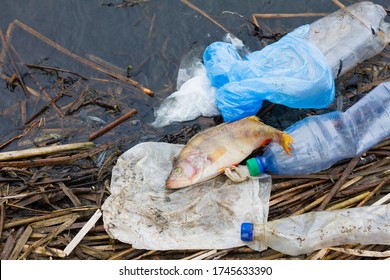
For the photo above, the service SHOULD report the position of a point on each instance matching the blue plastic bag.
(292, 72)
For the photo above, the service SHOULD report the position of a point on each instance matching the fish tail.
(286, 142)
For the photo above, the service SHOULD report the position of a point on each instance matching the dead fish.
(208, 153)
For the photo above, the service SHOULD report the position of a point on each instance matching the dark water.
(152, 37)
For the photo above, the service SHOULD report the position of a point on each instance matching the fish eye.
(177, 171)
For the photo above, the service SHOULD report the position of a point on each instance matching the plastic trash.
(308, 232)
(142, 212)
(351, 35)
(195, 97)
(291, 71)
(322, 140)
(297, 71)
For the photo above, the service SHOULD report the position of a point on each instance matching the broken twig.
(12, 155)
(113, 124)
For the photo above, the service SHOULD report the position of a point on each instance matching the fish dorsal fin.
(253, 118)
(206, 131)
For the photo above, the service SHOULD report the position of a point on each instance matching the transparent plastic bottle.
(321, 141)
(350, 35)
(308, 232)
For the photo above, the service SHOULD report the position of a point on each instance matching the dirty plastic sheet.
(141, 212)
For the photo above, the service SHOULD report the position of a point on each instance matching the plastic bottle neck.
(255, 166)
(253, 232)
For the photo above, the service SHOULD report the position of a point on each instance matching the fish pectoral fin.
(237, 174)
(216, 154)
(265, 142)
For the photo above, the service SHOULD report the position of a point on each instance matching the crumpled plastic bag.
(142, 212)
(195, 97)
(292, 72)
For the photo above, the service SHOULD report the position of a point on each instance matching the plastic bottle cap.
(254, 166)
(247, 232)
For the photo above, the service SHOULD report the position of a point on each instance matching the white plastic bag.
(195, 97)
(141, 212)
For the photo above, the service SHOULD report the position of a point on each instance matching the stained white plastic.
(142, 212)
(306, 233)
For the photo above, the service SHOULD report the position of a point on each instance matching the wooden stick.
(319, 200)
(20, 243)
(21, 222)
(357, 189)
(26, 131)
(339, 183)
(55, 69)
(148, 253)
(23, 195)
(374, 191)
(288, 184)
(121, 254)
(69, 193)
(12, 155)
(7, 50)
(192, 6)
(7, 248)
(2, 217)
(348, 202)
(339, 4)
(44, 108)
(50, 236)
(33, 78)
(362, 253)
(85, 229)
(205, 255)
(113, 124)
(303, 186)
(81, 59)
(47, 251)
(53, 161)
(320, 254)
(290, 15)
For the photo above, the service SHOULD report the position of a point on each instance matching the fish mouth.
(176, 184)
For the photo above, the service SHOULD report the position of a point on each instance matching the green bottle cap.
(253, 167)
